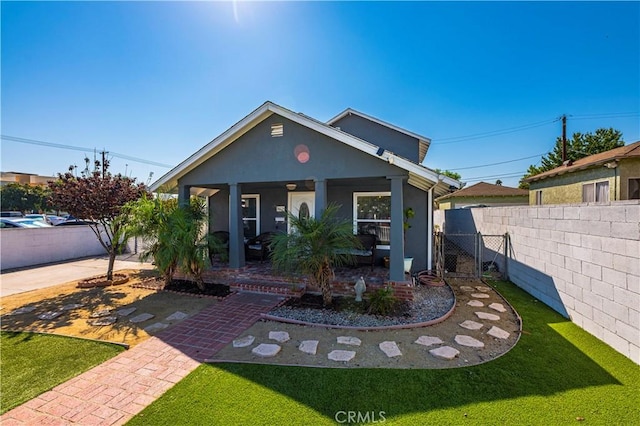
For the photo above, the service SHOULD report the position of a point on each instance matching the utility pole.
(104, 164)
(564, 137)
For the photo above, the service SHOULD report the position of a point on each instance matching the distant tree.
(579, 146)
(24, 197)
(498, 182)
(98, 197)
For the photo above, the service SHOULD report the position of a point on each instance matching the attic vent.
(277, 130)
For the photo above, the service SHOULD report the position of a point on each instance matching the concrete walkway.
(115, 391)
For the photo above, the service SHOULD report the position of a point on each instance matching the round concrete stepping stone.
(445, 352)
(156, 327)
(177, 316)
(340, 355)
(102, 321)
(100, 313)
(279, 336)
(498, 333)
(348, 340)
(428, 340)
(471, 325)
(72, 306)
(141, 318)
(464, 340)
(475, 303)
(487, 316)
(266, 350)
(390, 349)
(125, 312)
(243, 342)
(483, 289)
(22, 310)
(498, 307)
(467, 288)
(50, 315)
(480, 295)
(309, 346)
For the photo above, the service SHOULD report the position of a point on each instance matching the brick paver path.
(115, 391)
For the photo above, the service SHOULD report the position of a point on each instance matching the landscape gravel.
(429, 303)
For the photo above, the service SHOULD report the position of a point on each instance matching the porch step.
(283, 289)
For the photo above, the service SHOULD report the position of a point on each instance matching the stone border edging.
(518, 317)
(379, 328)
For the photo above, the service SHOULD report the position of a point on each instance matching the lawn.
(34, 363)
(556, 374)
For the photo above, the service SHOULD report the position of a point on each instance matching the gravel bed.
(429, 303)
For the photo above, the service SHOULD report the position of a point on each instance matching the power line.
(501, 162)
(78, 148)
(445, 141)
(504, 175)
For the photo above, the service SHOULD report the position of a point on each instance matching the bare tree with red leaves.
(98, 197)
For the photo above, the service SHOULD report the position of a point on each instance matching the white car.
(19, 222)
(47, 218)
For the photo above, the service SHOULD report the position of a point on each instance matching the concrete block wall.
(583, 260)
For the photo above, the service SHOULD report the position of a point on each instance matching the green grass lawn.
(556, 374)
(31, 364)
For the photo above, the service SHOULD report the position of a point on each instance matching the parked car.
(47, 218)
(10, 214)
(70, 222)
(19, 222)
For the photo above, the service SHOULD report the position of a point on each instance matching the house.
(275, 160)
(484, 194)
(608, 176)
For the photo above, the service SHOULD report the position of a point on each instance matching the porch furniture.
(366, 253)
(258, 247)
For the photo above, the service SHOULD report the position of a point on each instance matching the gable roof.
(419, 176)
(627, 151)
(483, 189)
(423, 141)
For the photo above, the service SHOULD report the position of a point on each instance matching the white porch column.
(236, 229)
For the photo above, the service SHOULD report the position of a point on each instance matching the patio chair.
(258, 247)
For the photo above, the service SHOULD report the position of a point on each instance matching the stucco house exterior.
(484, 194)
(275, 160)
(608, 176)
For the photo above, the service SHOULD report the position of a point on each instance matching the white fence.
(35, 246)
(583, 260)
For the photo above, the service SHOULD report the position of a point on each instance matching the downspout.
(430, 228)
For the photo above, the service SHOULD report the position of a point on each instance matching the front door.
(302, 204)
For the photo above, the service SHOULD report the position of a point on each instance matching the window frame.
(257, 218)
(594, 189)
(629, 187)
(355, 213)
(538, 194)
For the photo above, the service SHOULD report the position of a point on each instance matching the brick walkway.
(115, 391)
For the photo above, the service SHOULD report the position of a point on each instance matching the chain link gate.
(471, 255)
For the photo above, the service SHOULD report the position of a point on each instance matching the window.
(595, 192)
(372, 215)
(634, 189)
(277, 130)
(538, 197)
(251, 215)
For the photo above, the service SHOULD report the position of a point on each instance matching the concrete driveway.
(33, 278)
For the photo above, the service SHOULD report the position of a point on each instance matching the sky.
(152, 82)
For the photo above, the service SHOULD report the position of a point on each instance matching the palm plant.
(315, 247)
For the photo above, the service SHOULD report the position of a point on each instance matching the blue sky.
(158, 80)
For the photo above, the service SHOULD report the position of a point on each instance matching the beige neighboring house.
(24, 178)
(608, 176)
(484, 194)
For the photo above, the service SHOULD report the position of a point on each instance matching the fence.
(471, 255)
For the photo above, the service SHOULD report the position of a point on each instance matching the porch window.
(251, 215)
(595, 192)
(372, 215)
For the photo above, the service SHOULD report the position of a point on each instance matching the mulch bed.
(341, 304)
(190, 287)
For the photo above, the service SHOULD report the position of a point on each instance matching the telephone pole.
(564, 137)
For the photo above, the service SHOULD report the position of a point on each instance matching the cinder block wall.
(583, 260)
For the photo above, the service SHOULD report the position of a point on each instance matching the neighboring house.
(275, 160)
(608, 176)
(484, 194)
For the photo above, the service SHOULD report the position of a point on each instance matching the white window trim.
(355, 213)
(257, 218)
(595, 191)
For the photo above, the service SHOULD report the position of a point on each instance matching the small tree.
(172, 235)
(315, 247)
(99, 198)
(24, 197)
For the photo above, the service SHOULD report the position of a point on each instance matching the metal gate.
(471, 255)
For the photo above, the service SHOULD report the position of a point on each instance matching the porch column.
(321, 196)
(396, 254)
(236, 229)
(184, 195)
(430, 228)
